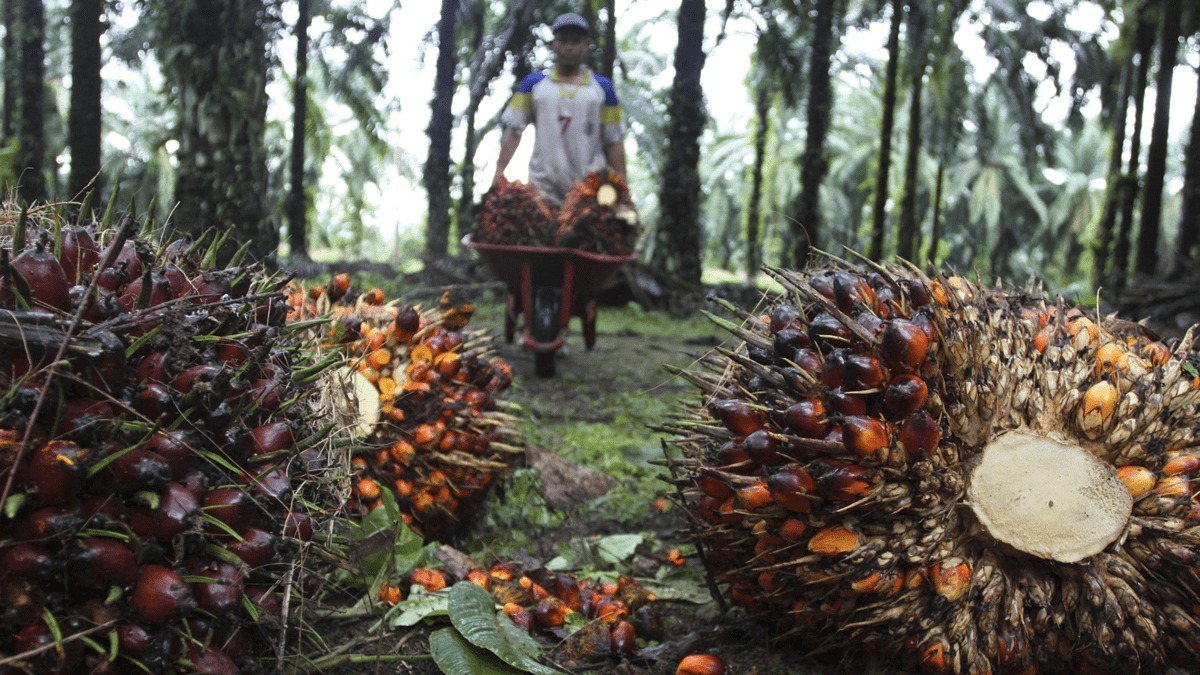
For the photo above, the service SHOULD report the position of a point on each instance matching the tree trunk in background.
(1112, 193)
(608, 58)
(677, 241)
(297, 208)
(879, 213)
(1156, 156)
(30, 159)
(906, 244)
(437, 165)
(83, 128)
(807, 225)
(12, 70)
(1189, 219)
(935, 221)
(467, 169)
(1130, 177)
(762, 116)
(214, 55)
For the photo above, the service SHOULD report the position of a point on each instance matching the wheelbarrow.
(546, 286)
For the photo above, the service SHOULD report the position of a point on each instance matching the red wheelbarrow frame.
(578, 274)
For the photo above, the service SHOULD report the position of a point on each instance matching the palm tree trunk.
(935, 224)
(1112, 194)
(30, 160)
(1129, 179)
(437, 165)
(608, 58)
(762, 110)
(1189, 219)
(1156, 157)
(879, 220)
(12, 70)
(467, 168)
(83, 127)
(677, 241)
(807, 226)
(298, 199)
(907, 244)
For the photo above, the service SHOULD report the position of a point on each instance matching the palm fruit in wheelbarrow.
(596, 216)
(959, 477)
(515, 214)
(155, 458)
(432, 425)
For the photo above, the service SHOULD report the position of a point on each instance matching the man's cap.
(571, 20)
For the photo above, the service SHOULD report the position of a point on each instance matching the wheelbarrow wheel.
(543, 364)
(544, 316)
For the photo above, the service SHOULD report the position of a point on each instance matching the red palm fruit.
(22, 601)
(224, 590)
(181, 285)
(863, 371)
(188, 379)
(785, 316)
(518, 615)
(828, 331)
(256, 547)
(623, 638)
(864, 436)
(152, 368)
(265, 599)
(160, 291)
(268, 393)
(844, 403)
(918, 433)
(77, 252)
(763, 449)
(432, 580)
(65, 657)
(839, 481)
(47, 522)
(27, 560)
(833, 369)
(232, 353)
(139, 469)
(733, 456)
(180, 252)
(160, 595)
(134, 639)
(298, 526)
(870, 321)
(44, 276)
(56, 470)
(551, 613)
(713, 486)
(738, 417)
(211, 661)
(807, 418)
(130, 258)
(903, 344)
(172, 515)
(272, 437)
(231, 506)
(792, 488)
(177, 448)
(99, 562)
(273, 483)
(104, 512)
(112, 279)
(154, 400)
(905, 394)
(851, 291)
(611, 610)
(701, 664)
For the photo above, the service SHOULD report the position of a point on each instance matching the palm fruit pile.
(153, 442)
(959, 477)
(515, 214)
(595, 216)
(432, 425)
(591, 620)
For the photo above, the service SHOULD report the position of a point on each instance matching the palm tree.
(1189, 220)
(30, 161)
(437, 165)
(297, 208)
(813, 164)
(84, 125)
(879, 219)
(917, 50)
(1156, 157)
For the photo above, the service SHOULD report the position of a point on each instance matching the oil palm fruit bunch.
(596, 216)
(432, 425)
(153, 440)
(515, 214)
(960, 477)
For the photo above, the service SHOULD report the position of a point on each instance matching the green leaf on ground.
(455, 656)
(418, 608)
(473, 613)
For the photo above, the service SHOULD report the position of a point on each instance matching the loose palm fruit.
(701, 664)
(973, 478)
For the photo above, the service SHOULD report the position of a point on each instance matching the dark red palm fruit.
(160, 595)
(864, 436)
(106, 369)
(64, 657)
(139, 469)
(784, 316)
(232, 353)
(85, 419)
(842, 402)
(903, 345)
(916, 292)
(195, 483)
(179, 252)
(272, 437)
(792, 488)
(810, 361)
(298, 525)
(44, 276)
(177, 447)
(181, 285)
(104, 512)
(234, 640)
(918, 433)
(905, 394)
(130, 258)
(176, 509)
(232, 506)
(56, 471)
(112, 279)
(807, 418)
(851, 292)
(648, 623)
(870, 321)
(268, 394)
(839, 481)
(134, 639)
(100, 562)
(272, 311)
(160, 291)
(788, 341)
(272, 484)
(550, 613)
(211, 287)
(863, 372)
(826, 330)
(738, 417)
(223, 593)
(408, 322)
(763, 449)
(77, 252)
(152, 368)
(199, 374)
(733, 457)
(154, 400)
(623, 638)
(26, 559)
(713, 486)
(833, 370)
(822, 282)
(265, 600)
(22, 601)
(256, 547)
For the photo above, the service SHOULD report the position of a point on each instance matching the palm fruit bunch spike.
(153, 437)
(959, 477)
(515, 214)
(433, 429)
(595, 216)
